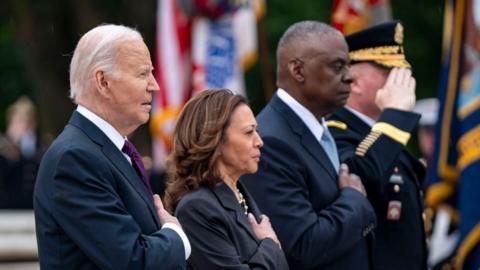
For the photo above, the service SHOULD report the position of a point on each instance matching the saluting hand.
(398, 91)
(163, 215)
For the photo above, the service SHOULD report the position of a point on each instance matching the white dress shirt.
(118, 140)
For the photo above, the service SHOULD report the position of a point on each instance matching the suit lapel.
(252, 206)
(228, 200)
(117, 159)
(120, 162)
(316, 150)
(308, 141)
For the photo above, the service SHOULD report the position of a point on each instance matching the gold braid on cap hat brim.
(389, 56)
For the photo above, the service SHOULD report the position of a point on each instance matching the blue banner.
(456, 164)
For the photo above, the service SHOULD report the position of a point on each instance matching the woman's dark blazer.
(220, 234)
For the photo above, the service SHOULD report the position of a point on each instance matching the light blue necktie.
(330, 148)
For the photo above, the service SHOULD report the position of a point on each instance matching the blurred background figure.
(428, 108)
(20, 154)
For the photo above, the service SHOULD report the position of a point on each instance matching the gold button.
(396, 188)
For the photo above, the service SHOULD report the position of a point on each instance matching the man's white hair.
(97, 49)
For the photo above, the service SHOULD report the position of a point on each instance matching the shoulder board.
(336, 124)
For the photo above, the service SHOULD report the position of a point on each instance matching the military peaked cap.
(381, 44)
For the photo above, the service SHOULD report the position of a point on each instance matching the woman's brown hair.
(199, 133)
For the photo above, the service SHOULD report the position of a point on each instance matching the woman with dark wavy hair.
(215, 142)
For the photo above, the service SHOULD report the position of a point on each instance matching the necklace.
(242, 201)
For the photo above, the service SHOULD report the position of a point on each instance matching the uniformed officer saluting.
(371, 133)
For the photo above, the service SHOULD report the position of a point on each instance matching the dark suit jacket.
(399, 244)
(220, 234)
(92, 210)
(319, 225)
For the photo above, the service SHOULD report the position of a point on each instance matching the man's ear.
(101, 83)
(295, 68)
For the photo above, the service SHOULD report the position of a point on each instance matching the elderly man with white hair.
(94, 208)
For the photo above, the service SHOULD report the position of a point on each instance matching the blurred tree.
(12, 72)
(38, 38)
(423, 22)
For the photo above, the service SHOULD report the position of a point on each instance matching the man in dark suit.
(320, 212)
(93, 205)
(371, 133)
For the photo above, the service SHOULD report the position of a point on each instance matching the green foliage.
(12, 73)
(423, 22)
(37, 37)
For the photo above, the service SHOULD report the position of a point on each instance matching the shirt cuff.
(183, 236)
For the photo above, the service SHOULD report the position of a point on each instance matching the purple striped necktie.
(131, 151)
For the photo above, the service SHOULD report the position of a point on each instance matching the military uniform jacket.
(393, 180)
